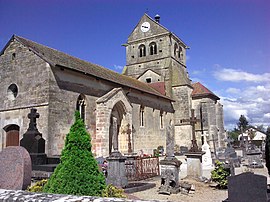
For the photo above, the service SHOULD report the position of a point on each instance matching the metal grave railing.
(140, 168)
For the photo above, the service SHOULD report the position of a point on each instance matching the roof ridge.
(56, 57)
(200, 89)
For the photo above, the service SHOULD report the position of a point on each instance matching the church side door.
(12, 135)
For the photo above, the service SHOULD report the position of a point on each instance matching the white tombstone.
(207, 161)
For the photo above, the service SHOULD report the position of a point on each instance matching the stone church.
(153, 91)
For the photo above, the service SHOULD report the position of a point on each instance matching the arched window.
(80, 106)
(153, 48)
(12, 91)
(175, 49)
(180, 53)
(142, 51)
(142, 116)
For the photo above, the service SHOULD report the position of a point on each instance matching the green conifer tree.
(77, 173)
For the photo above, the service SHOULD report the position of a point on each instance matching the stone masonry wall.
(21, 67)
(23, 196)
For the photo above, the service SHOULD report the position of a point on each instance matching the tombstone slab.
(117, 175)
(194, 164)
(247, 187)
(170, 168)
(15, 168)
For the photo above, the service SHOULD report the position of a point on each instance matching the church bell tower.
(156, 56)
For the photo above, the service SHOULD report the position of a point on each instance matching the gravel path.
(203, 192)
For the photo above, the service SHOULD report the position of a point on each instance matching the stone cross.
(33, 115)
(115, 134)
(193, 120)
(129, 139)
(229, 142)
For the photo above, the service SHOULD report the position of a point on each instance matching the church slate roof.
(58, 58)
(200, 91)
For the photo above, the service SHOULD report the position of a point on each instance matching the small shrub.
(156, 153)
(112, 191)
(220, 175)
(78, 172)
(38, 186)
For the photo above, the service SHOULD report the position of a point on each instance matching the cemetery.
(149, 134)
(169, 177)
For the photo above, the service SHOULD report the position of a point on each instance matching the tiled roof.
(200, 91)
(159, 86)
(55, 57)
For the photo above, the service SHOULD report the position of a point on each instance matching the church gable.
(147, 27)
(149, 76)
(19, 67)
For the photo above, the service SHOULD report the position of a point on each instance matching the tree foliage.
(234, 134)
(220, 175)
(77, 173)
(243, 123)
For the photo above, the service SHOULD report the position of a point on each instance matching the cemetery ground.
(203, 191)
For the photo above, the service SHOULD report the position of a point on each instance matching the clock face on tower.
(145, 26)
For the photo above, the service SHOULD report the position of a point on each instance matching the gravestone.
(194, 156)
(207, 161)
(254, 157)
(170, 166)
(33, 142)
(229, 156)
(247, 187)
(116, 172)
(15, 168)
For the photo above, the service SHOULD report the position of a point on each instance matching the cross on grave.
(33, 115)
(229, 141)
(129, 139)
(193, 120)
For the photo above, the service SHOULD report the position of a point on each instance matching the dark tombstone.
(183, 149)
(247, 187)
(15, 168)
(33, 142)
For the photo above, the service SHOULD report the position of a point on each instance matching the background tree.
(243, 123)
(234, 134)
(267, 149)
(78, 172)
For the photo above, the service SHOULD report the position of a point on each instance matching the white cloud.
(239, 75)
(267, 115)
(253, 102)
(117, 67)
(233, 90)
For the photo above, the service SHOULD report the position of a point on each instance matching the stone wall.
(14, 196)
(183, 135)
(24, 84)
(182, 104)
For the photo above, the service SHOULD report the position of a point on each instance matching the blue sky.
(229, 40)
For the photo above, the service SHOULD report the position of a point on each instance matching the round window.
(12, 91)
